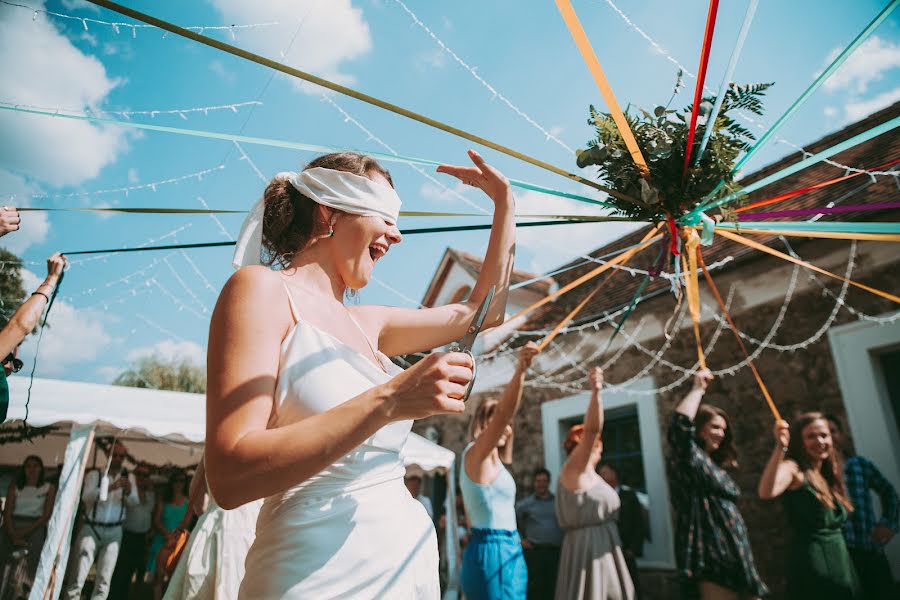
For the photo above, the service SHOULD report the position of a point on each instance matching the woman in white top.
(29, 502)
(304, 408)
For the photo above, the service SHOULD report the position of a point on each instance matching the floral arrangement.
(662, 137)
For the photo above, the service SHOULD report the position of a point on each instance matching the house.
(818, 343)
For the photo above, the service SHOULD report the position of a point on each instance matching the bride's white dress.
(352, 530)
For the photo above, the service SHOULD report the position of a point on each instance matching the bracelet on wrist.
(41, 294)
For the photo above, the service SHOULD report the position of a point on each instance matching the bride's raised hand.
(482, 176)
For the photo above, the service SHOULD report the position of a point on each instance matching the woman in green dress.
(805, 472)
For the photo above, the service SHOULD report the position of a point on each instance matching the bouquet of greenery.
(662, 138)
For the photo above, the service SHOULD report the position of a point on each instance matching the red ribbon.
(673, 235)
(810, 188)
(701, 78)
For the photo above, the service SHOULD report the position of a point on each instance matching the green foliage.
(662, 138)
(176, 374)
(12, 292)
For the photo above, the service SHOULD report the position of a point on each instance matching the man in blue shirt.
(541, 537)
(865, 534)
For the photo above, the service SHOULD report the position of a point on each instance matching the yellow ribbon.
(831, 235)
(737, 335)
(692, 285)
(593, 64)
(803, 263)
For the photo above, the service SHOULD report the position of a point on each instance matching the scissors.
(468, 341)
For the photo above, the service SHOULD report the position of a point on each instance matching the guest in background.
(414, 485)
(167, 516)
(804, 471)
(592, 565)
(712, 545)
(136, 533)
(29, 503)
(864, 533)
(541, 536)
(105, 498)
(632, 521)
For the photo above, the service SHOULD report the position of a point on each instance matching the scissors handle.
(455, 347)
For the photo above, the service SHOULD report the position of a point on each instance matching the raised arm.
(402, 331)
(503, 415)
(245, 460)
(780, 474)
(690, 403)
(579, 459)
(26, 317)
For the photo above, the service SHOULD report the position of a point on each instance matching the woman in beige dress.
(592, 565)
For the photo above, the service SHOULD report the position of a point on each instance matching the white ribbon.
(339, 190)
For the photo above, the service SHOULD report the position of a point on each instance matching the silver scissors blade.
(468, 340)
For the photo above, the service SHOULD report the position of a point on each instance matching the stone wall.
(798, 381)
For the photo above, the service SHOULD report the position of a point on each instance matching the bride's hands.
(434, 385)
(482, 176)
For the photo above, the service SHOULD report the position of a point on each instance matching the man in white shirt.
(414, 485)
(136, 534)
(101, 531)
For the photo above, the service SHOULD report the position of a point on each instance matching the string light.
(116, 25)
(185, 287)
(181, 112)
(473, 72)
(153, 185)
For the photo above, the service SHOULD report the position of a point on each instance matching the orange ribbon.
(593, 64)
(737, 336)
(763, 248)
(692, 285)
(831, 235)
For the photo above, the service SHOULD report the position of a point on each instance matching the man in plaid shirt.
(865, 534)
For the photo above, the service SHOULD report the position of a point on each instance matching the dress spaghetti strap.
(374, 350)
(294, 312)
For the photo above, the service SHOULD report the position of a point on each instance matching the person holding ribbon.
(23, 322)
(305, 410)
(712, 545)
(493, 565)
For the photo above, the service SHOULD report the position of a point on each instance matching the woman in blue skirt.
(493, 567)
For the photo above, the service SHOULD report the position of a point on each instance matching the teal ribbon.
(818, 226)
(805, 163)
(708, 232)
(293, 146)
(837, 62)
(729, 72)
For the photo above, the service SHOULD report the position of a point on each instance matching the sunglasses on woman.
(17, 363)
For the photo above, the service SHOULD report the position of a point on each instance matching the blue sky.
(116, 308)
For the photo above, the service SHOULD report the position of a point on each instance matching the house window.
(631, 442)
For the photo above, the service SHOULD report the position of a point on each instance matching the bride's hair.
(290, 219)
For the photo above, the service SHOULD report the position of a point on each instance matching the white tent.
(156, 425)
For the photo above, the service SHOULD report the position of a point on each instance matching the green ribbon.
(293, 146)
(828, 72)
(823, 226)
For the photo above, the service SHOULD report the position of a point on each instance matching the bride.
(305, 410)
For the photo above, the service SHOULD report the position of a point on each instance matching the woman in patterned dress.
(711, 541)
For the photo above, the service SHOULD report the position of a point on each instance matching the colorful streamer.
(726, 79)
(828, 72)
(821, 226)
(737, 336)
(266, 62)
(823, 210)
(692, 286)
(804, 264)
(701, 78)
(810, 188)
(587, 53)
(301, 146)
(830, 235)
(807, 162)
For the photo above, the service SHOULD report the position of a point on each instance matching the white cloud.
(217, 67)
(169, 349)
(863, 108)
(868, 64)
(34, 226)
(39, 65)
(830, 112)
(331, 32)
(80, 5)
(72, 337)
(554, 245)
(435, 59)
(133, 176)
(431, 191)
